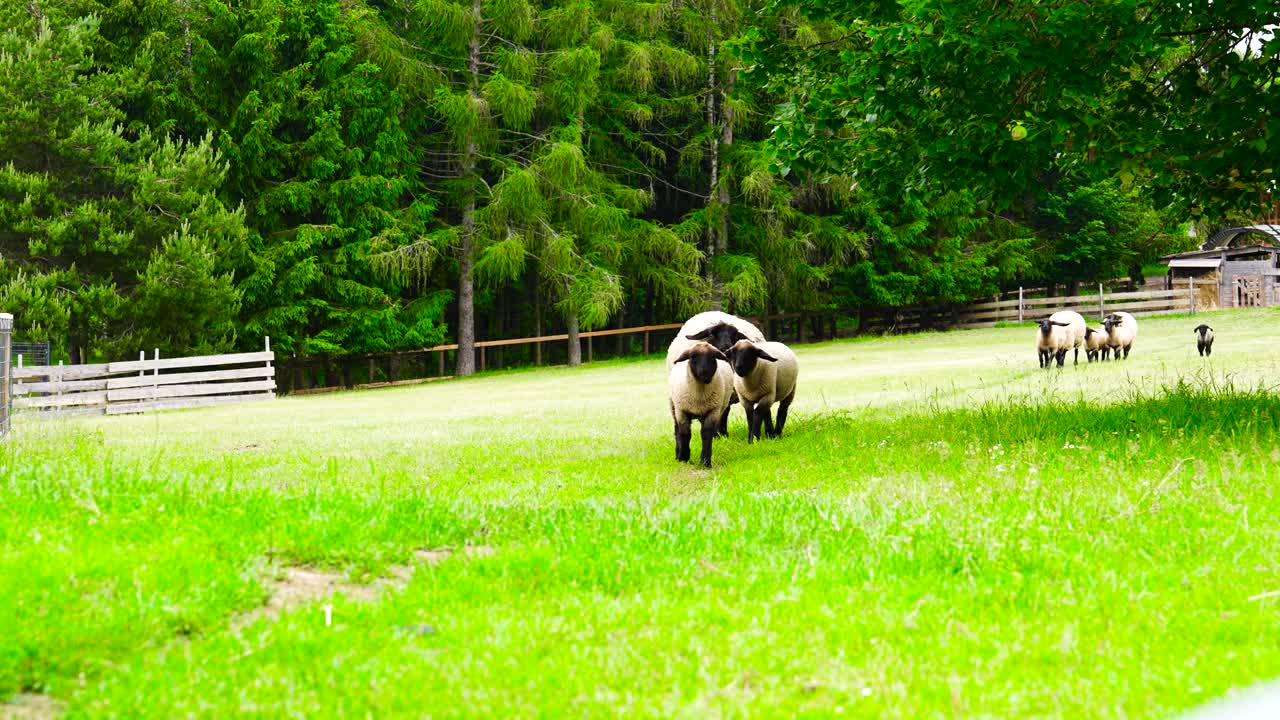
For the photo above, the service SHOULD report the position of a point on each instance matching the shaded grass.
(1064, 557)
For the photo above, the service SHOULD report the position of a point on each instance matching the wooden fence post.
(590, 348)
(155, 374)
(484, 360)
(1102, 304)
(1191, 287)
(1019, 303)
(646, 342)
(142, 357)
(440, 359)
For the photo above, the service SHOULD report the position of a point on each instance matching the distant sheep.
(1204, 340)
(1057, 334)
(760, 384)
(699, 385)
(1095, 342)
(1076, 326)
(1122, 330)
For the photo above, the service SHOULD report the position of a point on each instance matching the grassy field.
(946, 530)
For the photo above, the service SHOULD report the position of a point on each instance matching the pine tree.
(97, 224)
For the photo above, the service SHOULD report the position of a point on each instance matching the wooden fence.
(987, 314)
(1022, 308)
(140, 385)
(297, 372)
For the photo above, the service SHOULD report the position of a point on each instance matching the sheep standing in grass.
(1122, 330)
(1095, 342)
(699, 385)
(1204, 340)
(721, 330)
(1059, 333)
(1049, 338)
(1076, 327)
(760, 384)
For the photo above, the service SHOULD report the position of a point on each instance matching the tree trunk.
(575, 344)
(537, 319)
(466, 284)
(713, 192)
(726, 140)
(75, 354)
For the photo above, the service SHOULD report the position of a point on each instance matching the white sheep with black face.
(721, 330)
(1204, 340)
(764, 373)
(699, 385)
(1122, 330)
(1095, 343)
(1058, 333)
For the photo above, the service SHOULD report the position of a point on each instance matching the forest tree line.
(358, 176)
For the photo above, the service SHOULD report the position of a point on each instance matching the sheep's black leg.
(722, 427)
(766, 416)
(1208, 349)
(753, 421)
(1077, 360)
(1126, 352)
(683, 435)
(782, 412)
(1062, 358)
(708, 434)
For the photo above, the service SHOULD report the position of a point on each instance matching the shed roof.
(1218, 252)
(1211, 263)
(1224, 238)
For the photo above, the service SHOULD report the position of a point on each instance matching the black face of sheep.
(702, 362)
(1111, 321)
(1046, 326)
(722, 335)
(1204, 339)
(744, 356)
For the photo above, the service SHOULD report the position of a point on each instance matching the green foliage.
(102, 229)
(194, 175)
(933, 95)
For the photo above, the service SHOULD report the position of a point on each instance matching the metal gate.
(33, 353)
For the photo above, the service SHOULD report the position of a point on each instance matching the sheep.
(760, 384)
(1204, 340)
(1095, 343)
(722, 330)
(719, 328)
(1121, 329)
(698, 386)
(1059, 333)
(1076, 328)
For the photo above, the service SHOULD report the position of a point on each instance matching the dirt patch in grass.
(296, 586)
(30, 706)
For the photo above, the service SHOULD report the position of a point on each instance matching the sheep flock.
(717, 360)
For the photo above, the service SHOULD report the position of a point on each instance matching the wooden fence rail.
(140, 385)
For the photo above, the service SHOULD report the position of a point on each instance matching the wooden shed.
(1237, 267)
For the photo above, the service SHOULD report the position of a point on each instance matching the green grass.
(946, 530)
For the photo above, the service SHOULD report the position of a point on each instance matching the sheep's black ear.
(765, 356)
(701, 335)
(1061, 324)
(683, 356)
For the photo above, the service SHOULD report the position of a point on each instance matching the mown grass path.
(946, 530)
